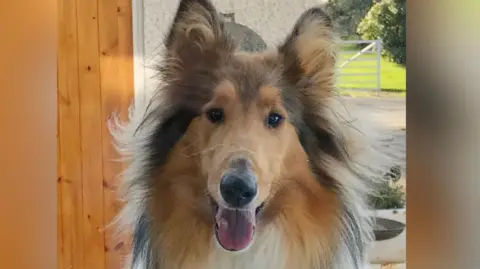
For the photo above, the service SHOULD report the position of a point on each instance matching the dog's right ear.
(196, 37)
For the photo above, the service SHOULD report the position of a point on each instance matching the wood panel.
(59, 204)
(70, 162)
(91, 133)
(95, 79)
(115, 21)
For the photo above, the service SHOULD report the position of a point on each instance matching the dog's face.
(243, 145)
(245, 113)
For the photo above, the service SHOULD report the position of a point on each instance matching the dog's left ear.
(308, 53)
(196, 37)
(308, 58)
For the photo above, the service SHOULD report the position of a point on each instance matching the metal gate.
(359, 69)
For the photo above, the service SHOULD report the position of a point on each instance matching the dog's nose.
(238, 189)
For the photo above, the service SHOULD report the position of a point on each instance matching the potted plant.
(388, 202)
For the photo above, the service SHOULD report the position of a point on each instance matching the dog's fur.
(310, 170)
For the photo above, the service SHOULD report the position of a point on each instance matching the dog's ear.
(196, 36)
(308, 53)
(308, 56)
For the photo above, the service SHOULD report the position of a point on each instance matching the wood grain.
(70, 161)
(59, 199)
(91, 132)
(116, 65)
(95, 79)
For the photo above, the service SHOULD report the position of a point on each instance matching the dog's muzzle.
(235, 217)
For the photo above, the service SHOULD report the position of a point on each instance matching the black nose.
(238, 189)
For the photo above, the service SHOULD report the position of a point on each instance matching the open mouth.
(235, 228)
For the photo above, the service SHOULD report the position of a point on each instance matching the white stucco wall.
(271, 19)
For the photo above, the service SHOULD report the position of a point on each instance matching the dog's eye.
(215, 115)
(274, 120)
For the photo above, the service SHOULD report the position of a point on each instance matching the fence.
(359, 69)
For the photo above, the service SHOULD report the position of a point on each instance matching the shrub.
(388, 196)
(346, 15)
(386, 20)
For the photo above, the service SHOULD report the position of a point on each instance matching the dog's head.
(246, 119)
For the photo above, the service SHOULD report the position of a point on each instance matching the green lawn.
(392, 75)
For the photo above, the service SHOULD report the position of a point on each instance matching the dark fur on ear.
(308, 59)
(168, 133)
(196, 39)
(319, 142)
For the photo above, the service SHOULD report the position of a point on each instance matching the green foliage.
(346, 15)
(387, 20)
(388, 196)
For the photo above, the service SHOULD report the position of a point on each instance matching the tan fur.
(224, 96)
(270, 98)
(316, 45)
(188, 219)
(306, 209)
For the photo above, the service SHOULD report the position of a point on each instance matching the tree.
(347, 14)
(387, 20)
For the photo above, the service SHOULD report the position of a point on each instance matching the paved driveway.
(387, 112)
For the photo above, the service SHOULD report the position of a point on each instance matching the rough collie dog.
(241, 160)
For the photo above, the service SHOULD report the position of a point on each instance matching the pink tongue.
(235, 228)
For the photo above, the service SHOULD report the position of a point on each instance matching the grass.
(392, 75)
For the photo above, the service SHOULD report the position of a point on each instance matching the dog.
(242, 159)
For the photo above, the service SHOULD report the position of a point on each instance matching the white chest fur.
(267, 252)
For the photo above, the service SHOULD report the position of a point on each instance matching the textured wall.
(271, 19)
